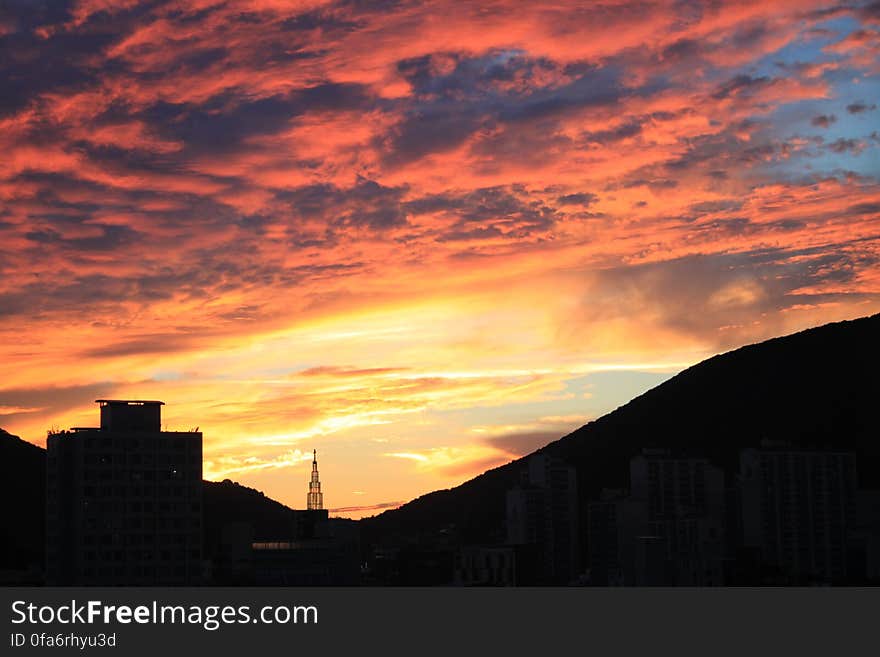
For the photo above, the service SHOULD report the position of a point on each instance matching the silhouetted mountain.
(819, 387)
(227, 502)
(23, 491)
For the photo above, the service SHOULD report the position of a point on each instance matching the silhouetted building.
(124, 501)
(311, 523)
(424, 559)
(315, 499)
(863, 554)
(479, 565)
(329, 558)
(667, 531)
(542, 511)
(231, 563)
(424, 564)
(614, 523)
(653, 566)
(797, 509)
(674, 485)
(685, 498)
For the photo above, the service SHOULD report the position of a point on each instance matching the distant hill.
(819, 387)
(23, 491)
(226, 501)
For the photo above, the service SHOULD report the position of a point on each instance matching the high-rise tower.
(316, 497)
(124, 501)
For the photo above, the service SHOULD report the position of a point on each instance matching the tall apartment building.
(684, 499)
(615, 523)
(676, 485)
(124, 501)
(667, 531)
(797, 509)
(542, 511)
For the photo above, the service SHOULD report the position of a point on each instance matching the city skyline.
(423, 247)
(715, 477)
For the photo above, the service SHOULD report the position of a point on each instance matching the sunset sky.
(423, 238)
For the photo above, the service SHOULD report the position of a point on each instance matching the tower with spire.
(316, 497)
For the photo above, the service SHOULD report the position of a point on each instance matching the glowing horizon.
(423, 238)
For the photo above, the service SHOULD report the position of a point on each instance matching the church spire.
(316, 497)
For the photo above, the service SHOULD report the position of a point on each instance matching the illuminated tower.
(316, 497)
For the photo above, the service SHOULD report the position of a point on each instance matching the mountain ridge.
(22, 481)
(769, 378)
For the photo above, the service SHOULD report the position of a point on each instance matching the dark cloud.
(27, 15)
(525, 442)
(366, 205)
(155, 343)
(370, 507)
(823, 120)
(625, 130)
(863, 208)
(31, 66)
(740, 84)
(712, 155)
(710, 207)
(475, 206)
(507, 211)
(681, 50)
(731, 226)
(860, 107)
(204, 275)
(581, 198)
(40, 54)
(870, 12)
(325, 20)
(454, 75)
(449, 107)
(700, 295)
(471, 234)
(112, 238)
(428, 130)
(467, 468)
(593, 88)
(52, 400)
(658, 184)
(222, 123)
(843, 145)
